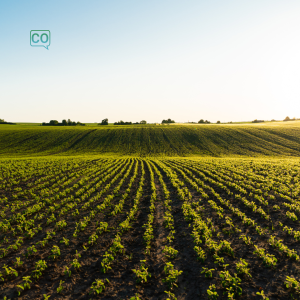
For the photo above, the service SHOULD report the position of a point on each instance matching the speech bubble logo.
(40, 38)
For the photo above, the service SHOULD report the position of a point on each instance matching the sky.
(150, 60)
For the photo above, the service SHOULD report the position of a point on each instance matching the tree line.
(63, 123)
(2, 121)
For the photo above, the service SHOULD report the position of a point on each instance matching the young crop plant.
(171, 236)
(220, 261)
(200, 254)
(77, 254)
(98, 286)
(40, 266)
(246, 239)
(26, 284)
(136, 297)
(262, 294)
(282, 248)
(9, 271)
(207, 272)
(65, 241)
(242, 268)
(18, 263)
(106, 262)
(60, 287)
(268, 259)
(30, 251)
(291, 216)
(170, 253)
(231, 284)
(61, 224)
(172, 275)
(55, 252)
(102, 227)
(76, 264)
(225, 247)
(142, 273)
(67, 271)
(93, 239)
(293, 284)
(212, 292)
(116, 246)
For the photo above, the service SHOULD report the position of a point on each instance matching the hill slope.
(270, 139)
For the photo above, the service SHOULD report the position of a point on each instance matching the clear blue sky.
(133, 60)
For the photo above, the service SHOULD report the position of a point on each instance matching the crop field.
(218, 140)
(149, 228)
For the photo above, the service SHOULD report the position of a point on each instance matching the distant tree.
(122, 123)
(201, 121)
(104, 122)
(287, 119)
(2, 121)
(218, 122)
(53, 122)
(207, 122)
(273, 120)
(143, 122)
(63, 123)
(167, 121)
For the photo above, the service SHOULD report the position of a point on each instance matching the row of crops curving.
(270, 139)
(133, 228)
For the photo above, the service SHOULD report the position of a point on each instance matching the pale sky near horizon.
(133, 60)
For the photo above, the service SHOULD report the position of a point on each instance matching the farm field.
(218, 140)
(114, 227)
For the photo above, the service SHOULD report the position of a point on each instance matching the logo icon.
(40, 38)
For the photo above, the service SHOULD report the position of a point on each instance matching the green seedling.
(207, 272)
(9, 271)
(30, 251)
(262, 293)
(40, 266)
(55, 252)
(60, 287)
(98, 286)
(106, 262)
(292, 283)
(142, 273)
(200, 253)
(65, 241)
(172, 275)
(76, 264)
(212, 293)
(247, 240)
(231, 284)
(18, 262)
(61, 224)
(26, 284)
(218, 260)
(136, 297)
(170, 253)
(241, 268)
(170, 295)
(77, 255)
(67, 271)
